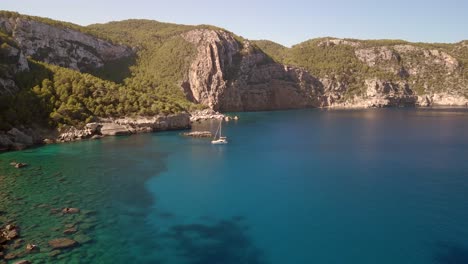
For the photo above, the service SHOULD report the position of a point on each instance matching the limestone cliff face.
(61, 46)
(393, 59)
(229, 76)
(12, 62)
(380, 94)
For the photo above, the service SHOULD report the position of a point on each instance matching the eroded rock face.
(379, 93)
(206, 79)
(12, 61)
(447, 99)
(373, 56)
(61, 46)
(422, 60)
(18, 139)
(428, 59)
(126, 126)
(334, 42)
(389, 93)
(229, 76)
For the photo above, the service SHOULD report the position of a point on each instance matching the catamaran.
(219, 139)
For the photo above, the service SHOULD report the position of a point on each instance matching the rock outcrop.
(227, 75)
(442, 99)
(380, 94)
(126, 126)
(17, 139)
(205, 114)
(12, 62)
(390, 93)
(61, 46)
(230, 75)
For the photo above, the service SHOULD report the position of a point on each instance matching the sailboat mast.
(216, 133)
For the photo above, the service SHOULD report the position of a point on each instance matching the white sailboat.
(219, 139)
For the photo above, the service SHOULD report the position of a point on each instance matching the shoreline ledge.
(22, 138)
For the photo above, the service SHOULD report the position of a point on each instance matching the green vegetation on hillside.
(147, 84)
(339, 62)
(62, 96)
(274, 50)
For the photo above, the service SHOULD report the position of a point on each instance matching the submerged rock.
(10, 232)
(70, 225)
(82, 239)
(18, 165)
(59, 243)
(70, 210)
(70, 230)
(23, 262)
(10, 256)
(54, 253)
(32, 248)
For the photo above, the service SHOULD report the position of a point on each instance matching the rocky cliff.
(228, 75)
(232, 75)
(12, 62)
(60, 45)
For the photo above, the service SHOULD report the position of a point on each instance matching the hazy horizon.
(418, 21)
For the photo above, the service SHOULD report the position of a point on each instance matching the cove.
(303, 186)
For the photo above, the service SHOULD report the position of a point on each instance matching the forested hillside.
(59, 74)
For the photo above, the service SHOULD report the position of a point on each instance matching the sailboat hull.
(219, 142)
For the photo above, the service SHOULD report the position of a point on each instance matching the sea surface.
(307, 186)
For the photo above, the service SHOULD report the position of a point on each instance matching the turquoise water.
(309, 186)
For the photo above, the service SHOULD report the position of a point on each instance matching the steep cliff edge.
(381, 73)
(60, 45)
(230, 75)
(12, 62)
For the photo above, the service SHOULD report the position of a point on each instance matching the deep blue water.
(309, 186)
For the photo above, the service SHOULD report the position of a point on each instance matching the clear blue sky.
(287, 22)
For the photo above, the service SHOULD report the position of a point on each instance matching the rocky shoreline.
(125, 126)
(434, 100)
(22, 138)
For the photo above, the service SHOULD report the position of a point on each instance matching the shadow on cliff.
(16, 109)
(451, 253)
(224, 242)
(116, 71)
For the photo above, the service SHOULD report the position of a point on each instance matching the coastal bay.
(299, 186)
